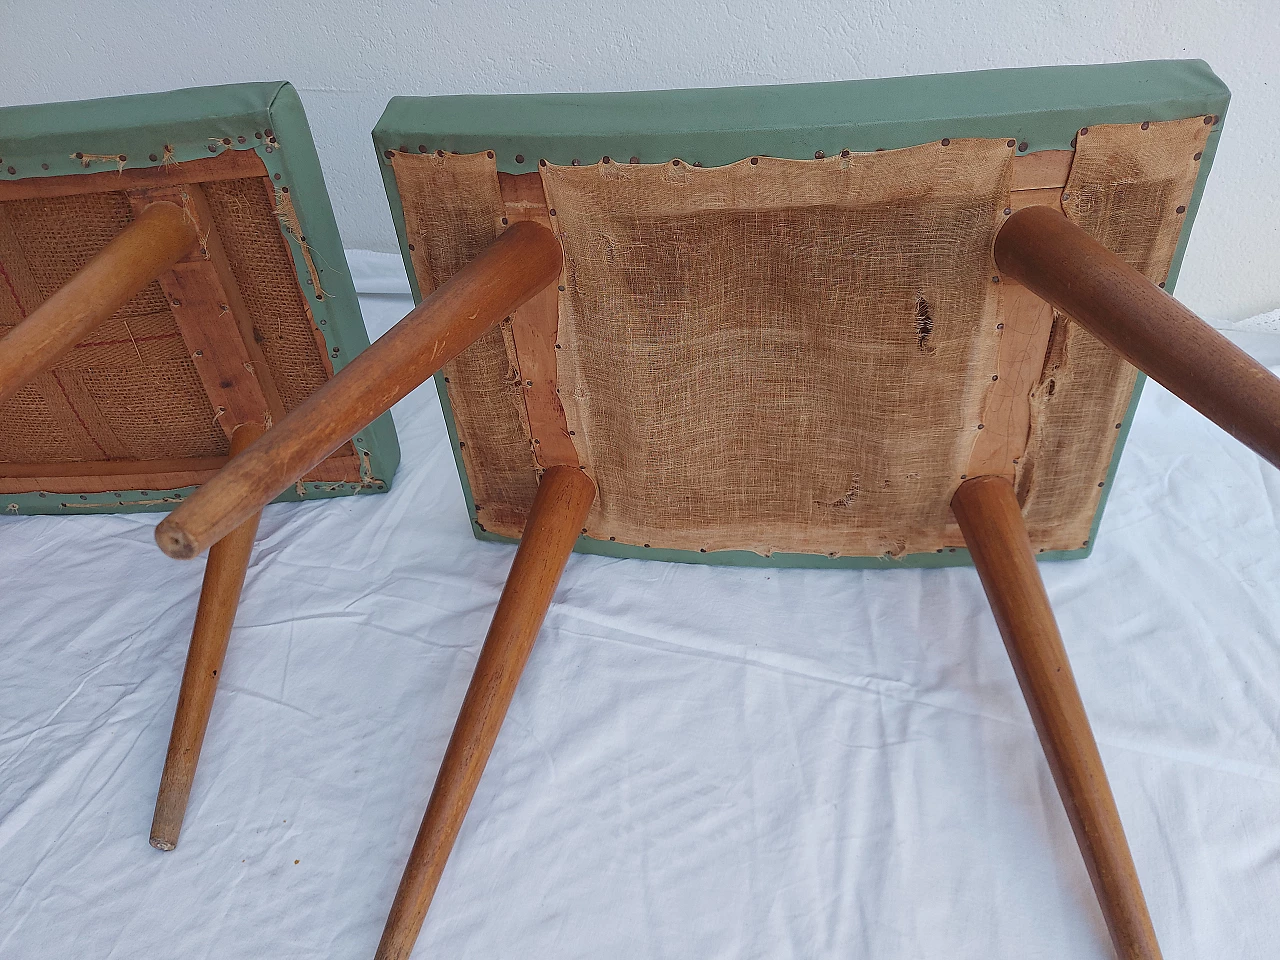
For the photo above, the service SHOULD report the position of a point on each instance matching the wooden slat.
(534, 328)
(1038, 180)
(108, 468)
(104, 476)
(214, 323)
(1006, 415)
(1046, 168)
(216, 254)
(222, 362)
(228, 165)
(112, 475)
(1041, 197)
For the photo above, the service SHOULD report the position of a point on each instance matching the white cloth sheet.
(700, 762)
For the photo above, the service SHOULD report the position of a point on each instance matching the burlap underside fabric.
(129, 391)
(452, 210)
(1129, 187)
(793, 356)
(779, 355)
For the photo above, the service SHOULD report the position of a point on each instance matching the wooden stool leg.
(564, 497)
(160, 236)
(521, 262)
(1060, 263)
(219, 597)
(988, 512)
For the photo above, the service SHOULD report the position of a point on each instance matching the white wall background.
(347, 57)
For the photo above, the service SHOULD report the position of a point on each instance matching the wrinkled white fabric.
(699, 762)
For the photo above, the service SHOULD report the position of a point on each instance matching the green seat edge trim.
(191, 121)
(1039, 106)
(1043, 107)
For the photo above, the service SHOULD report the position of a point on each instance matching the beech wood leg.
(219, 598)
(989, 516)
(160, 236)
(521, 262)
(1061, 263)
(564, 497)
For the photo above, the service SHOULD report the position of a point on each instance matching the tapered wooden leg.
(559, 509)
(989, 516)
(160, 236)
(1061, 263)
(219, 597)
(521, 262)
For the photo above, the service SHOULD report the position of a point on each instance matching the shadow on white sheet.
(699, 762)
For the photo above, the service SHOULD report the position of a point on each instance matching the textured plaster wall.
(347, 57)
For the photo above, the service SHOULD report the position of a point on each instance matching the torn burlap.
(1129, 187)
(779, 355)
(452, 210)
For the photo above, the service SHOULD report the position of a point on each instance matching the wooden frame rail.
(521, 262)
(1062, 264)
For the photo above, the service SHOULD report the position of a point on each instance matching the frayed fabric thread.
(88, 158)
(287, 214)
